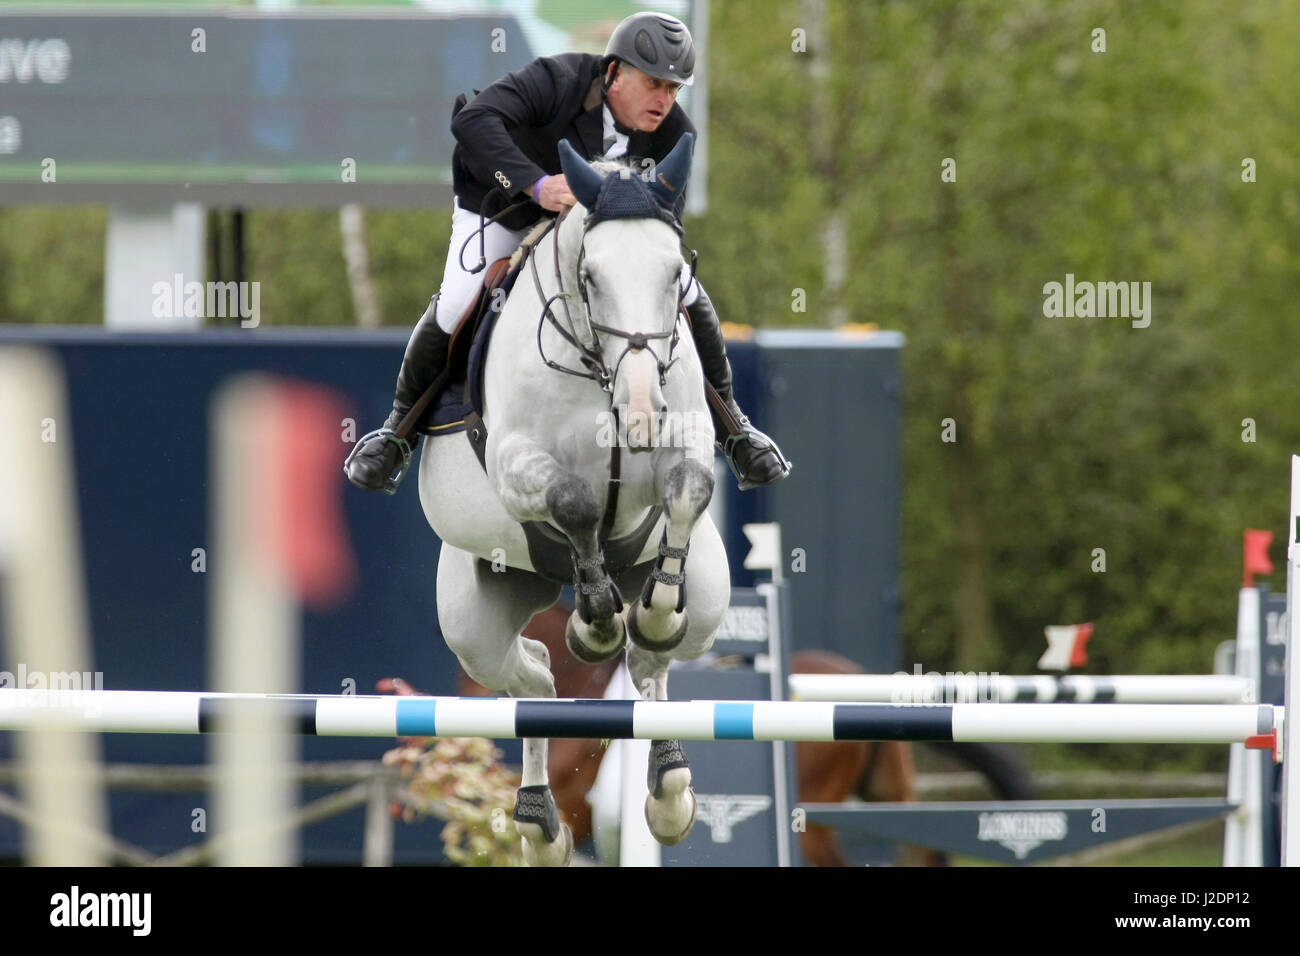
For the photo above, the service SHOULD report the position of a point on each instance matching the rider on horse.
(619, 105)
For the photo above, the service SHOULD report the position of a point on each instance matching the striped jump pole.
(121, 711)
(1042, 689)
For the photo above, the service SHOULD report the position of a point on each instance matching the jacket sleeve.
(526, 97)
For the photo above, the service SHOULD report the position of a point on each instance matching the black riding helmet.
(656, 44)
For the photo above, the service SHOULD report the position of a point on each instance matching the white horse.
(599, 299)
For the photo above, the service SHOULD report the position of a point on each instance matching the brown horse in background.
(828, 772)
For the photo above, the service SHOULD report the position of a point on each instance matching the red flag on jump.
(1066, 647)
(303, 506)
(1255, 558)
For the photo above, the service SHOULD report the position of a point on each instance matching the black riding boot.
(754, 458)
(377, 454)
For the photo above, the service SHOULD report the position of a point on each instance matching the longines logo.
(723, 811)
(744, 624)
(1021, 833)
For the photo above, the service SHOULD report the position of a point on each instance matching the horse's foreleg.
(547, 841)
(657, 621)
(481, 612)
(534, 487)
(670, 805)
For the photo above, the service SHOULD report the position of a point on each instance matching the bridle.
(591, 356)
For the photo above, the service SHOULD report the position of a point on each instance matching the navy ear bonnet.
(625, 195)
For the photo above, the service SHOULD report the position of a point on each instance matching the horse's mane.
(607, 167)
(526, 245)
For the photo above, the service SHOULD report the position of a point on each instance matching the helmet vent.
(646, 47)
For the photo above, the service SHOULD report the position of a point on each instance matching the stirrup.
(392, 482)
(760, 441)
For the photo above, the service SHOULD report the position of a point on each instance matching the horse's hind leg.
(481, 613)
(670, 806)
(533, 486)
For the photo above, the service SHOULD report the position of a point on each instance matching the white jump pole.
(637, 845)
(255, 631)
(119, 711)
(46, 621)
(907, 688)
(280, 542)
(1290, 796)
(1243, 831)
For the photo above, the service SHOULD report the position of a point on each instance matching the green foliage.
(52, 265)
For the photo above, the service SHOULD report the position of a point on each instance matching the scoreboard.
(238, 105)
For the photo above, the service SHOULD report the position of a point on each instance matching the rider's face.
(639, 100)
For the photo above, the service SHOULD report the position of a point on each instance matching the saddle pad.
(449, 411)
(465, 394)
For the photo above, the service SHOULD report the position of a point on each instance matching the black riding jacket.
(508, 135)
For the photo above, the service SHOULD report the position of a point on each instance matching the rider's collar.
(604, 101)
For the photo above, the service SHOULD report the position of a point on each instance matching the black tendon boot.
(754, 458)
(377, 454)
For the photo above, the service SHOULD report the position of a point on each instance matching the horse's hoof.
(546, 840)
(639, 638)
(599, 650)
(537, 852)
(661, 825)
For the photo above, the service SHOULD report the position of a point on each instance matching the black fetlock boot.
(377, 454)
(754, 458)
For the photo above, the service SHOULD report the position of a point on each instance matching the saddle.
(447, 416)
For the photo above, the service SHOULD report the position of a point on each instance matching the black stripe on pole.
(567, 718)
(299, 713)
(877, 722)
(1025, 693)
(1066, 693)
(1105, 694)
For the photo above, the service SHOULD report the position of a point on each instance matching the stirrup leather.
(392, 482)
(760, 441)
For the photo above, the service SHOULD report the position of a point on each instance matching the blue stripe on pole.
(417, 717)
(574, 718)
(877, 722)
(733, 721)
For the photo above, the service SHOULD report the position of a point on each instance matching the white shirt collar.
(620, 140)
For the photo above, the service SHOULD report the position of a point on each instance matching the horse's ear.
(584, 182)
(673, 171)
